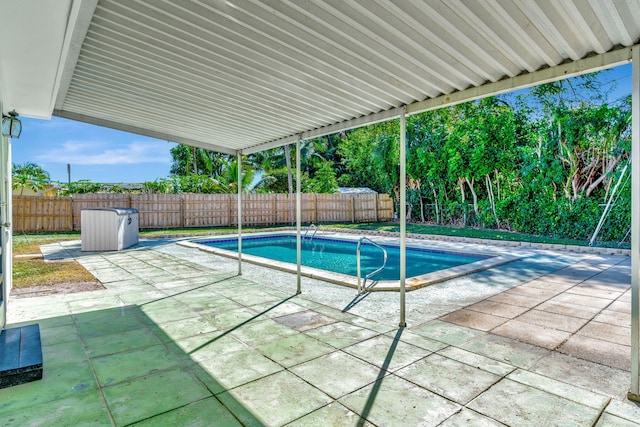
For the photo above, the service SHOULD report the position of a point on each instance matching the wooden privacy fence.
(49, 214)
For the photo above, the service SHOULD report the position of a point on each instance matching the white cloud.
(104, 153)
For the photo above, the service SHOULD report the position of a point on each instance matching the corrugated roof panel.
(247, 72)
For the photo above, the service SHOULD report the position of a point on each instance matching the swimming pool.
(339, 255)
(334, 259)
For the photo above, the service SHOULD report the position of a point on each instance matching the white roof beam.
(546, 75)
(140, 131)
(79, 20)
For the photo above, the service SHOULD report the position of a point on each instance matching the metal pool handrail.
(315, 227)
(361, 285)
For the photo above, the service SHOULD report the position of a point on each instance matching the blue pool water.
(339, 256)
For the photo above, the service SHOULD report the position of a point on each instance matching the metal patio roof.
(251, 74)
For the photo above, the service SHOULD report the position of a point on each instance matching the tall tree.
(29, 175)
(198, 161)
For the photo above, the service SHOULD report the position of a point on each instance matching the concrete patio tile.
(109, 275)
(626, 297)
(395, 401)
(169, 314)
(166, 302)
(155, 394)
(334, 382)
(553, 320)
(341, 334)
(608, 420)
(498, 309)
(614, 318)
(624, 409)
(446, 332)
(140, 297)
(130, 284)
(77, 296)
(386, 352)
(254, 297)
(253, 403)
(607, 332)
(582, 300)
(532, 334)
(231, 287)
(568, 309)
(559, 388)
(536, 293)
(172, 284)
(333, 313)
(108, 321)
(85, 408)
(57, 383)
(120, 341)
(506, 350)
(268, 310)
(229, 319)
(621, 306)
(59, 334)
(132, 364)
(20, 312)
(205, 346)
(547, 285)
(562, 277)
(584, 374)
(449, 378)
(261, 331)
(197, 414)
(517, 299)
(477, 361)
(513, 403)
(467, 417)
(418, 340)
(294, 349)
(473, 319)
(334, 414)
(202, 303)
(598, 351)
(65, 353)
(304, 320)
(231, 369)
(596, 291)
(185, 328)
(48, 323)
(97, 303)
(369, 324)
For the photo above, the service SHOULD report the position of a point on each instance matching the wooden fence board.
(48, 214)
(41, 214)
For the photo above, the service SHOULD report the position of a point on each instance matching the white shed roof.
(249, 74)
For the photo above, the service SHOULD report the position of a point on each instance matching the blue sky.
(106, 155)
(95, 153)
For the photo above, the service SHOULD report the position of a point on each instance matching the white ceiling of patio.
(249, 74)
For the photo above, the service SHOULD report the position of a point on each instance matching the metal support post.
(402, 206)
(5, 225)
(239, 160)
(298, 220)
(634, 393)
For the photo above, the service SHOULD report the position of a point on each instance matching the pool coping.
(411, 283)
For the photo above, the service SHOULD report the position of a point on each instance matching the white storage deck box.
(108, 229)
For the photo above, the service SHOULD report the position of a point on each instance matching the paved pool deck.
(178, 338)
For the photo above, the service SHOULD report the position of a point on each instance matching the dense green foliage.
(544, 164)
(29, 175)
